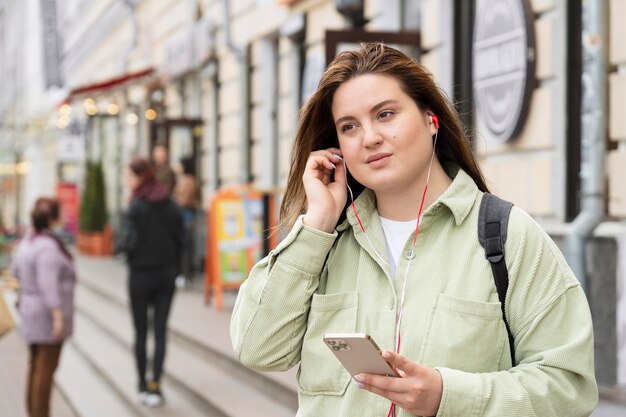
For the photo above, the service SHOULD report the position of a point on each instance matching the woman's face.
(133, 180)
(385, 138)
(57, 224)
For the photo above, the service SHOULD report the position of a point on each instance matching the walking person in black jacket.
(151, 235)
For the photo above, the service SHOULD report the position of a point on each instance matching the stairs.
(201, 377)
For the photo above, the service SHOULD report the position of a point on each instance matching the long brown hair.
(316, 129)
(145, 173)
(143, 169)
(147, 187)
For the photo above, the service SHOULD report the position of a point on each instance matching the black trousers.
(151, 291)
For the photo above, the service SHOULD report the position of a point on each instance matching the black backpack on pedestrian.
(493, 219)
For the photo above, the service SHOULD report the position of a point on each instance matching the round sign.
(503, 65)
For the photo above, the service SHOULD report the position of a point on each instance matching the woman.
(186, 195)
(151, 236)
(424, 292)
(47, 277)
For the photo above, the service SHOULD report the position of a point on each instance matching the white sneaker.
(142, 397)
(181, 281)
(154, 399)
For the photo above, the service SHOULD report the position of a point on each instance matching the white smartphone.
(358, 353)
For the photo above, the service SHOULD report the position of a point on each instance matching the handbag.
(6, 318)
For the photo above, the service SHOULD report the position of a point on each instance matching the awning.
(108, 84)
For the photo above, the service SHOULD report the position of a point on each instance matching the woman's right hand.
(58, 324)
(326, 195)
(58, 330)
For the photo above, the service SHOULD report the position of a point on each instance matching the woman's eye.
(347, 128)
(385, 114)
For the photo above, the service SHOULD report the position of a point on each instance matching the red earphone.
(434, 119)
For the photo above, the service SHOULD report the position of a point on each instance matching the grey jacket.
(47, 280)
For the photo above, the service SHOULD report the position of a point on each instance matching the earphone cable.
(392, 408)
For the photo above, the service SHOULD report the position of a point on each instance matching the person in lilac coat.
(45, 270)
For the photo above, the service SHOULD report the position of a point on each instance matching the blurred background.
(85, 85)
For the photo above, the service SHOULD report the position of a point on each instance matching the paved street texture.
(13, 365)
(202, 377)
(195, 329)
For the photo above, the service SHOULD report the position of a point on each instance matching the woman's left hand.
(418, 391)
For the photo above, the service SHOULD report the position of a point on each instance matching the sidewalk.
(200, 366)
(196, 329)
(189, 316)
(13, 366)
(202, 323)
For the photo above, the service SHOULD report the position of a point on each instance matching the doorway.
(182, 138)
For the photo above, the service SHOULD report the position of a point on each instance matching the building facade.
(30, 88)
(222, 81)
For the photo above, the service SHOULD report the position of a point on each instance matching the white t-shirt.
(396, 235)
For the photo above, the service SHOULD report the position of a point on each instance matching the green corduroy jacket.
(315, 283)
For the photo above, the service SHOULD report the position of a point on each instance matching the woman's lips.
(378, 160)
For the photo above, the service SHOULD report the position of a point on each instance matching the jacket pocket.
(320, 372)
(463, 334)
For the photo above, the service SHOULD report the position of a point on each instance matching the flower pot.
(95, 243)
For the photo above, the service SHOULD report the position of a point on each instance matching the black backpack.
(493, 219)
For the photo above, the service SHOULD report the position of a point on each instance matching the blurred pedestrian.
(151, 235)
(186, 195)
(45, 270)
(164, 173)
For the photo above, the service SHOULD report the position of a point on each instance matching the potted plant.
(94, 236)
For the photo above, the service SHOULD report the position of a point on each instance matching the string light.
(151, 114)
(113, 109)
(132, 119)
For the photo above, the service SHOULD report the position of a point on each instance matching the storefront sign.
(67, 194)
(71, 148)
(189, 49)
(236, 239)
(179, 54)
(240, 236)
(503, 67)
(204, 42)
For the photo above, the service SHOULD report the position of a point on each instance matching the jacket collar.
(459, 198)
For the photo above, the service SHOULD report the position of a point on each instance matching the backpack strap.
(493, 220)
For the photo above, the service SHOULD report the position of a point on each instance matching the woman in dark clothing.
(186, 195)
(151, 235)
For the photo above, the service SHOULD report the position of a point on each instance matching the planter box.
(95, 243)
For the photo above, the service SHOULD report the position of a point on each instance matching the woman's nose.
(371, 137)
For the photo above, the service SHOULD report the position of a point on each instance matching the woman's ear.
(433, 122)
